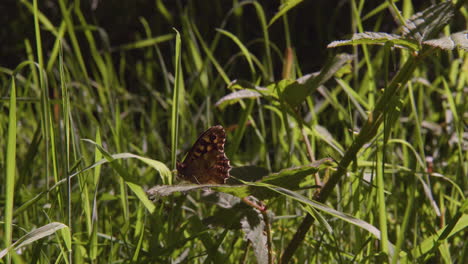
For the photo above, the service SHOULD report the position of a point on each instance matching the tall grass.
(89, 124)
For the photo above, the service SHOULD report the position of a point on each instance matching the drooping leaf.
(244, 90)
(131, 181)
(376, 38)
(291, 178)
(288, 178)
(297, 91)
(35, 235)
(417, 30)
(459, 39)
(293, 92)
(423, 25)
(234, 97)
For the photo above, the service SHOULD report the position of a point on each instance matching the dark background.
(313, 24)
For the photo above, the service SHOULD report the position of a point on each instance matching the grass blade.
(10, 167)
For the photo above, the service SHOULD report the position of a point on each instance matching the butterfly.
(206, 162)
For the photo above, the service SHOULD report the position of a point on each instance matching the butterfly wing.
(206, 162)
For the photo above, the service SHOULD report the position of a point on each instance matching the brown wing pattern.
(206, 162)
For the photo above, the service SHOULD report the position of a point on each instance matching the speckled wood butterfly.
(206, 162)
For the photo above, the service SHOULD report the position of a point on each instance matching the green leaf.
(376, 38)
(287, 178)
(129, 180)
(459, 39)
(145, 43)
(245, 90)
(297, 91)
(427, 23)
(283, 9)
(35, 235)
(433, 242)
(464, 207)
(11, 164)
(324, 208)
(237, 96)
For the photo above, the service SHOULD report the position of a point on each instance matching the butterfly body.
(206, 162)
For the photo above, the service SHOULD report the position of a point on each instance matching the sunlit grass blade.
(129, 180)
(146, 42)
(242, 47)
(10, 171)
(284, 8)
(93, 245)
(319, 206)
(120, 76)
(35, 235)
(66, 13)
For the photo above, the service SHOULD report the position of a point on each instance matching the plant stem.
(367, 132)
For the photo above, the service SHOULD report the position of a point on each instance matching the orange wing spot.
(196, 153)
(209, 148)
(201, 148)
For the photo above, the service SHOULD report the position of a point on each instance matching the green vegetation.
(352, 153)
